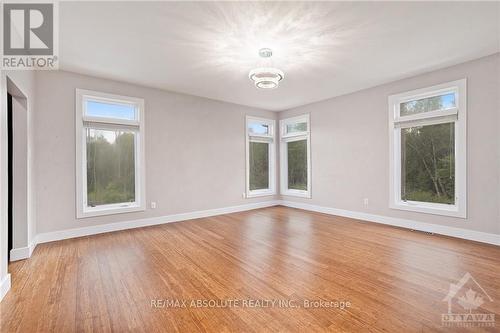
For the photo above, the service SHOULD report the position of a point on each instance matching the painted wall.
(195, 151)
(20, 172)
(350, 147)
(200, 137)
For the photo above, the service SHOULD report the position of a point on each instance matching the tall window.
(110, 153)
(428, 149)
(261, 156)
(295, 156)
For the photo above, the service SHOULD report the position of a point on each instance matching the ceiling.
(326, 49)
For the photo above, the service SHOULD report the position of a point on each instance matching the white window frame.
(269, 138)
(458, 115)
(82, 96)
(286, 137)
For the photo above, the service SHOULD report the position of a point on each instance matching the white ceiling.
(326, 49)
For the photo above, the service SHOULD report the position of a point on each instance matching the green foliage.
(297, 165)
(428, 173)
(428, 196)
(259, 165)
(110, 167)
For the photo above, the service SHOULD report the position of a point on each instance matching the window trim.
(457, 115)
(290, 137)
(81, 96)
(266, 138)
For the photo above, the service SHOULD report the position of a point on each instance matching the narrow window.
(110, 154)
(295, 156)
(428, 143)
(261, 157)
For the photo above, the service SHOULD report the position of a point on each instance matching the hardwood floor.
(394, 279)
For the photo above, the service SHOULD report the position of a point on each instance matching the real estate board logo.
(467, 294)
(29, 36)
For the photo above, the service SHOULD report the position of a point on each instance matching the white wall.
(195, 151)
(350, 147)
(20, 173)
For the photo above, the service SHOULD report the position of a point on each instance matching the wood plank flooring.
(394, 279)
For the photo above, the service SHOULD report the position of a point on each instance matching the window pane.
(428, 163)
(258, 128)
(435, 103)
(259, 165)
(110, 166)
(297, 165)
(110, 110)
(296, 127)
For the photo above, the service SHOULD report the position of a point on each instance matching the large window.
(260, 143)
(428, 149)
(110, 153)
(295, 156)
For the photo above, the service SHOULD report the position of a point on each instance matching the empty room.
(269, 166)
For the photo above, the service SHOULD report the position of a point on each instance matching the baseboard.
(404, 223)
(20, 253)
(32, 248)
(477, 236)
(4, 286)
(103, 228)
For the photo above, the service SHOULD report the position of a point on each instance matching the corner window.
(428, 150)
(260, 157)
(295, 156)
(110, 154)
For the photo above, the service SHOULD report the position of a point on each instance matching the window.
(428, 150)
(295, 156)
(260, 156)
(109, 154)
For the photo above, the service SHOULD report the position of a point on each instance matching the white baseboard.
(98, 229)
(404, 223)
(4, 286)
(21, 253)
(477, 236)
(32, 248)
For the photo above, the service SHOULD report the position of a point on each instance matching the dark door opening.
(10, 226)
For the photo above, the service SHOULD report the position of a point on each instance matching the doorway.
(10, 192)
(17, 173)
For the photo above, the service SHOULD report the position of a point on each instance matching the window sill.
(296, 193)
(109, 210)
(429, 208)
(259, 193)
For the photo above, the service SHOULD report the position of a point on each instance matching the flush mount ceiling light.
(266, 77)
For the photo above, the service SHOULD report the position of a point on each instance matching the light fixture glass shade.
(266, 77)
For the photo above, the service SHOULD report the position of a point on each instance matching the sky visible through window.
(109, 110)
(258, 128)
(441, 102)
(448, 101)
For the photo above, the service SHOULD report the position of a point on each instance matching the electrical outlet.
(153, 205)
(365, 201)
